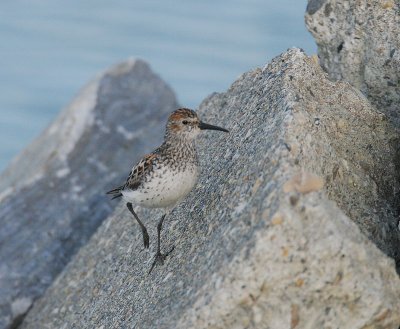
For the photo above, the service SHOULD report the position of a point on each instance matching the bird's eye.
(185, 122)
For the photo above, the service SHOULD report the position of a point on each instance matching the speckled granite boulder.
(53, 194)
(359, 42)
(260, 242)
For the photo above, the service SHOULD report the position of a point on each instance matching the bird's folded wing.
(140, 171)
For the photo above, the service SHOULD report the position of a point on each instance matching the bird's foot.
(146, 239)
(159, 258)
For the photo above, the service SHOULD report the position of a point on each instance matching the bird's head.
(185, 123)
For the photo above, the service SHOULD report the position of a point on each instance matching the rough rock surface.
(258, 243)
(359, 42)
(53, 195)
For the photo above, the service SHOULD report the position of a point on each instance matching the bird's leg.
(159, 257)
(144, 230)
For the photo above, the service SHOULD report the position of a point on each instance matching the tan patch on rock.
(388, 4)
(277, 219)
(294, 316)
(299, 282)
(304, 182)
(314, 58)
(256, 186)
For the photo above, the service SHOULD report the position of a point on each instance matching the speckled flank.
(163, 187)
(164, 177)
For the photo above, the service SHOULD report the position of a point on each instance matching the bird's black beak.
(204, 126)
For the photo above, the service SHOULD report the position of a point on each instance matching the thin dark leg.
(159, 228)
(159, 258)
(146, 238)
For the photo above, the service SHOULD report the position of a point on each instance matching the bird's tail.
(116, 193)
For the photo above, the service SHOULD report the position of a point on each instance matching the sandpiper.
(164, 177)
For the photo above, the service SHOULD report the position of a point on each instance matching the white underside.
(163, 191)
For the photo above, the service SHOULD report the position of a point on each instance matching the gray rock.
(259, 243)
(358, 41)
(53, 195)
(314, 5)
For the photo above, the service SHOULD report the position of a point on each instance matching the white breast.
(166, 188)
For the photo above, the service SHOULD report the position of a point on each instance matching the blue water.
(50, 48)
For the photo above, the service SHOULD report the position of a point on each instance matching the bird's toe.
(159, 258)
